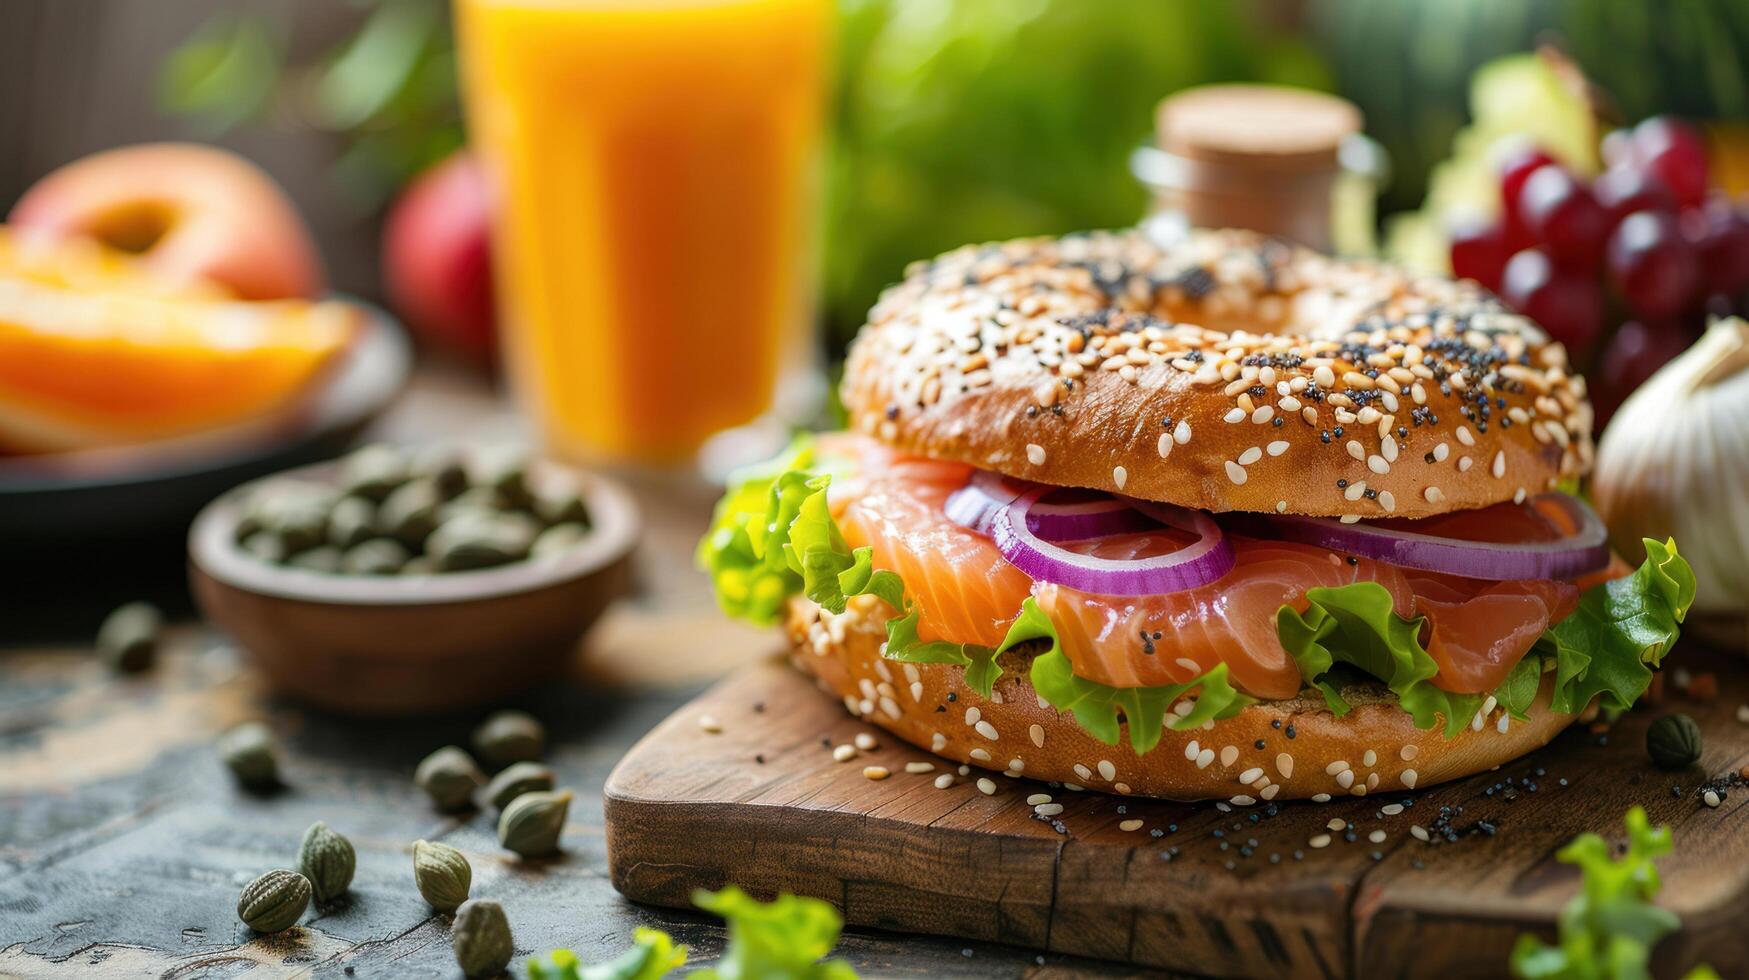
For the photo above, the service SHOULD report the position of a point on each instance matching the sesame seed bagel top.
(1230, 372)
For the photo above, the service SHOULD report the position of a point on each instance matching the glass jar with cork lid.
(1283, 161)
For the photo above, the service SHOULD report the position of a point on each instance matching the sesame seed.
(1378, 464)
(875, 772)
(1037, 798)
(1377, 837)
(987, 730)
(1241, 800)
(1107, 771)
(987, 786)
(938, 742)
(980, 755)
(1250, 456)
(1037, 733)
(1190, 750)
(1345, 778)
(1234, 415)
(1035, 453)
(1268, 792)
(1263, 414)
(710, 724)
(1229, 755)
(1320, 797)
(1408, 752)
(1710, 798)
(1119, 476)
(1433, 494)
(1418, 832)
(1409, 778)
(1320, 840)
(1356, 450)
(1391, 809)
(864, 741)
(1083, 772)
(973, 714)
(1370, 759)
(1337, 824)
(1048, 809)
(1284, 764)
(1250, 775)
(1440, 452)
(1335, 767)
(1325, 377)
(1388, 501)
(844, 753)
(1499, 466)
(1465, 436)
(1164, 446)
(919, 767)
(1236, 473)
(1130, 825)
(1204, 758)
(1464, 463)
(1388, 449)
(1181, 433)
(1355, 490)
(944, 780)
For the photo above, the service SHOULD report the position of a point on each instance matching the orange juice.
(655, 165)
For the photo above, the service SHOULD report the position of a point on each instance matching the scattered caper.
(504, 469)
(517, 779)
(248, 750)
(128, 639)
(373, 471)
(449, 777)
(275, 901)
(327, 860)
(443, 467)
(509, 736)
(442, 874)
(481, 938)
(557, 540)
(1673, 742)
(295, 510)
(531, 823)
(561, 505)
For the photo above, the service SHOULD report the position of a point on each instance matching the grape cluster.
(1646, 245)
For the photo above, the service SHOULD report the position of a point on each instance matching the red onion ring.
(1206, 561)
(1082, 515)
(1585, 550)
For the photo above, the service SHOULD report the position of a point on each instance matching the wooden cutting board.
(1235, 892)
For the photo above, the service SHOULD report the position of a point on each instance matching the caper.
(557, 540)
(295, 510)
(266, 545)
(504, 469)
(409, 513)
(128, 638)
(353, 521)
(561, 505)
(479, 540)
(443, 467)
(378, 556)
(373, 471)
(323, 558)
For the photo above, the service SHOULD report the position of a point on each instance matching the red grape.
(1636, 351)
(1515, 168)
(1624, 190)
(1674, 152)
(1563, 216)
(1565, 303)
(1652, 264)
(1720, 235)
(1478, 251)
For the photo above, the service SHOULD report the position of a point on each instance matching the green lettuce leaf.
(780, 940)
(1099, 708)
(653, 956)
(1354, 624)
(745, 549)
(1623, 628)
(1607, 931)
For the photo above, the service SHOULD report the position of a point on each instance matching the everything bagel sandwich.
(1224, 519)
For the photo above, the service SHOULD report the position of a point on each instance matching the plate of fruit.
(165, 334)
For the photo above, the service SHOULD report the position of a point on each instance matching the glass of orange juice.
(655, 165)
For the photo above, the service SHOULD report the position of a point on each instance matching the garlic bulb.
(1674, 462)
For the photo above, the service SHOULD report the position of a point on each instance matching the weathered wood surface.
(1245, 893)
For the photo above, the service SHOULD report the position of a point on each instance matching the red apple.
(437, 257)
(189, 212)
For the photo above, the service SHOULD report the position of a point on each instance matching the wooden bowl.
(407, 644)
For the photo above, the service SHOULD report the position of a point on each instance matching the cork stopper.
(1261, 127)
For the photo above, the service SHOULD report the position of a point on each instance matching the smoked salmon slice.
(968, 593)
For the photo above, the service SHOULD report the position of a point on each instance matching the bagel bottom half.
(1273, 750)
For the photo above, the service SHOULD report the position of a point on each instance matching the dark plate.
(154, 490)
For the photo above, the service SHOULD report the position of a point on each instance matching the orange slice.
(81, 368)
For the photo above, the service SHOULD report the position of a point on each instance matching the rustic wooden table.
(124, 843)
